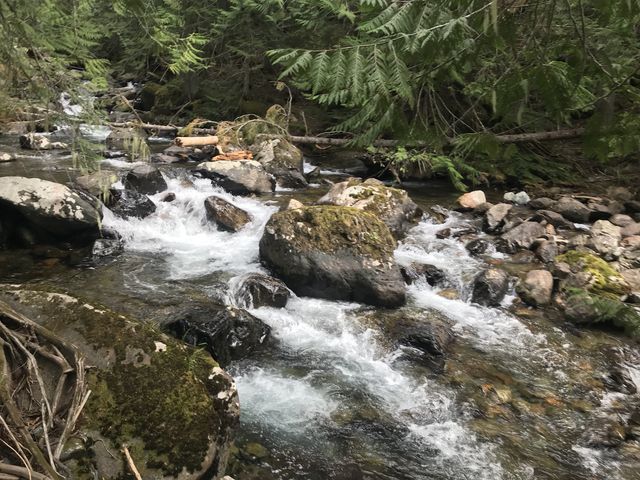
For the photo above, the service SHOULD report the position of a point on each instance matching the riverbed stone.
(495, 217)
(340, 253)
(38, 141)
(490, 287)
(49, 210)
(478, 246)
(471, 200)
(537, 287)
(238, 177)
(283, 160)
(572, 210)
(97, 183)
(631, 230)
(582, 307)
(432, 274)
(542, 203)
(174, 407)
(591, 273)
(128, 139)
(547, 251)
(145, 179)
(621, 220)
(226, 215)
(393, 206)
(255, 290)
(605, 239)
(523, 236)
(128, 203)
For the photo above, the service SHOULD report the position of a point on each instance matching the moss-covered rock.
(333, 252)
(391, 205)
(593, 274)
(172, 405)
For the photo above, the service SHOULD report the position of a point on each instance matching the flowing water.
(329, 397)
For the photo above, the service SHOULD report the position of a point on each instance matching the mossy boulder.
(593, 274)
(172, 405)
(391, 205)
(340, 253)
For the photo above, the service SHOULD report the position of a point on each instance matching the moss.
(604, 279)
(330, 229)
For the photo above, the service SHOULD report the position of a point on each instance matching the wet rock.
(168, 197)
(145, 179)
(605, 239)
(444, 233)
(522, 236)
(226, 215)
(391, 205)
(238, 177)
(107, 247)
(572, 210)
(256, 290)
(520, 198)
(48, 210)
(621, 220)
(127, 203)
(553, 218)
(620, 380)
(542, 203)
(630, 230)
(172, 403)
(490, 287)
(283, 160)
(339, 253)
(471, 200)
(415, 271)
(229, 333)
(97, 183)
(547, 251)
(437, 214)
(482, 209)
(34, 141)
(164, 158)
(127, 139)
(523, 257)
(477, 246)
(605, 432)
(495, 217)
(6, 157)
(583, 307)
(537, 288)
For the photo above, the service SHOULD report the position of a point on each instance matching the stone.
(294, 204)
(632, 277)
(547, 251)
(35, 141)
(593, 274)
(471, 200)
(631, 230)
(631, 243)
(553, 218)
(522, 236)
(173, 405)
(477, 246)
(145, 179)
(605, 239)
(582, 307)
(128, 139)
(444, 233)
(283, 160)
(168, 197)
(495, 217)
(255, 290)
(415, 271)
(107, 247)
(164, 158)
(229, 333)
(537, 288)
(127, 203)
(490, 287)
(520, 198)
(339, 253)
(97, 183)
(542, 203)
(620, 194)
(238, 177)
(226, 215)
(50, 211)
(6, 157)
(632, 206)
(391, 205)
(482, 209)
(621, 220)
(572, 210)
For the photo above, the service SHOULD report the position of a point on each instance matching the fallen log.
(161, 128)
(196, 141)
(233, 156)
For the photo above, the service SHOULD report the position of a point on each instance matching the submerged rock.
(226, 215)
(256, 290)
(238, 177)
(145, 179)
(49, 211)
(490, 287)
(174, 407)
(391, 205)
(127, 203)
(339, 253)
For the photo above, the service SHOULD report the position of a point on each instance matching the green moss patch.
(604, 280)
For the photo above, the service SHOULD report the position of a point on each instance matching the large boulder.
(238, 177)
(537, 288)
(523, 236)
(391, 205)
(490, 287)
(225, 215)
(145, 179)
(50, 211)
(229, 333)
(283, 160)
(127, 203)
(256, 290)
(172, 405)
(591, 273)
(339, 253)
(572, 210)
(495, 217)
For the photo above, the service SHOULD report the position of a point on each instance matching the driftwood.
(196, 141)
(232, 156)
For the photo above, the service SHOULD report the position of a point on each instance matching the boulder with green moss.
(391, 205)
(590, 272)
(173, 407)
(340, 253)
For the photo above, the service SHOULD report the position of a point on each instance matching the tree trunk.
(196, 141)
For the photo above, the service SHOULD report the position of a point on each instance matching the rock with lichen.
(391, 205)
(173, 407)
(339, 253)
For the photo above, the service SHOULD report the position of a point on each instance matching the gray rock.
(164, 158)
(522, 236)
(605, 239)
(621, 220)
(542, 203)
(547, 251)
(107, 247)
(572, 209)
(620, 194)
(477, 246)
(283, 160)
(256, 290)
(490, 287)
(537, 287)
(97, 183)
(432, 274)
(127, 203)
(520, 198)
(632, 206)
(126, 139)
(391, 205)
(495, 217)
(226, 215)
(145, 179)
(631, 230)
(168, 197)
(238, 177)
(332, 252)
(632, 277)
(554, 218)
